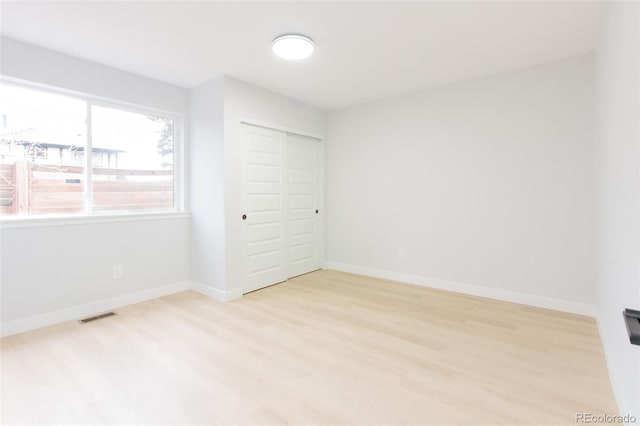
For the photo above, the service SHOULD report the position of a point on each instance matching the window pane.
(42, 142)
(132, 161)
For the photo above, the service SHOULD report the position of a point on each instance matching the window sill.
(44, 221)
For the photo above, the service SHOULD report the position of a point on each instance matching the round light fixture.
(292, 46)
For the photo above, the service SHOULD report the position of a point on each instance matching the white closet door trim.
(285, 129)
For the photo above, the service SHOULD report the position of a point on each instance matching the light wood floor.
(327, 348)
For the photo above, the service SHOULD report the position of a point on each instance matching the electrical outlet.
(117, 272)
(402, 254)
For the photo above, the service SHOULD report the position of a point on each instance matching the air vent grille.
(97, 317)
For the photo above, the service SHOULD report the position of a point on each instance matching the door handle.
(632, 320)
(244, 217)
(316, 211)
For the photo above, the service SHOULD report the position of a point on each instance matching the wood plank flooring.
(326, 348)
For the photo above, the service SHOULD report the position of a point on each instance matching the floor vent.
(97, 317)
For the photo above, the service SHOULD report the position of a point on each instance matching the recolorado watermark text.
(605, 418)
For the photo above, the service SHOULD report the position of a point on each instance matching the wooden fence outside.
(8, 202)
(29, 188)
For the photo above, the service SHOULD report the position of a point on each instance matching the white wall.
(245, 101)
(27, 62)
(51, 268)
(487, 185)
(206, 112)
(55, 268)
(618, 194)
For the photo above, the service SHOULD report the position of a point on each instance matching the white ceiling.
(364, 50)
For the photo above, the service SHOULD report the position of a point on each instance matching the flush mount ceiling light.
(292, 46)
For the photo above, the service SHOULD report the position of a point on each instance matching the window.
(36, 151)
(133, 166)
(31, 120)
(45, 169)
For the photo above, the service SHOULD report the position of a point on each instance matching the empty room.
(319, 213)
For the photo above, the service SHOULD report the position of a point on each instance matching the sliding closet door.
(265, 219)
(303, 184)
(282, 186)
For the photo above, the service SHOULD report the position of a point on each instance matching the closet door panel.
(303, 192)
(266, 255)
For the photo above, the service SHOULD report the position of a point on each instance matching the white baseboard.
(49, 318)
(75, 312)
(214, 293)
(472, 289)
(54, 317)
(614, 374)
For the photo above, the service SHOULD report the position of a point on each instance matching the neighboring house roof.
(63, 146)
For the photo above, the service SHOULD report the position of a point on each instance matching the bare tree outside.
(165, 142)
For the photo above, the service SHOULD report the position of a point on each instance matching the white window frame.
(178, 211)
